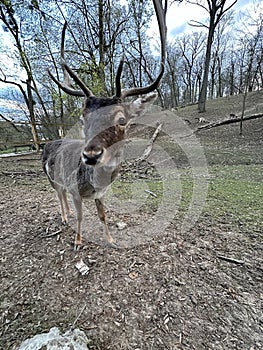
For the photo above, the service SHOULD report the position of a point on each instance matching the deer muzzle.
(92, 154)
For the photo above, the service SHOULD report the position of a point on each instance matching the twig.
(151, 193)
(15, 173)
(10, 122)
(51, 234)
(232, 260)
(80, 313)
(149, 146)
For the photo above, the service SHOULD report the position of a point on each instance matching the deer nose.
(91, 154)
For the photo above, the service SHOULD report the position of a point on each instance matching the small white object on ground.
(121, 225)
(82, 267)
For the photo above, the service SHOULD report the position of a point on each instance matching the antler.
(160, 14)
(85, 91)
(118, 78)
(68, 72)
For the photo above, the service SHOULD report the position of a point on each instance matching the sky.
(180, 14)
(8, 65)
(178, 18)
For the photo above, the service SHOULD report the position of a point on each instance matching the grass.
(234, 197)
(14, 150)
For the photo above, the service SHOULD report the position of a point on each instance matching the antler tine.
(160, 14)
(66, 88)
(68, 72)
(67, 81)
(87, 92)
(118, 77)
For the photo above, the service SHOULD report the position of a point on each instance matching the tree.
(216, 10)
(170, 86)
(7, 16)
(97, 34)
(221, 49)
(190, 48)
(253, 63)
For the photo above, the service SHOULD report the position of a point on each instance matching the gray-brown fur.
(85, 168)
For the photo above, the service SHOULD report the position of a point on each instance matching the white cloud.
(9, 66)
(180, 14)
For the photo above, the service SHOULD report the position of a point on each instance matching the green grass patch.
(15, 150)
(234, 197)
(147, 194)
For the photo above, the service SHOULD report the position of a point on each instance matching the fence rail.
(18, 146)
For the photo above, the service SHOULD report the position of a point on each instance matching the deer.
(85, 168)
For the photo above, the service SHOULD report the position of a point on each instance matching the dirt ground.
(173, 291)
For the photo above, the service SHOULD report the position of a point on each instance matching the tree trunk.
(101, 47)
(232, 78)
(203, 92)
(219, 90)
(216, 11)
(32, 114)
(213, 80)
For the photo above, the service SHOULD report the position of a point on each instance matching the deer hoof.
(113, 245)
(76, 247)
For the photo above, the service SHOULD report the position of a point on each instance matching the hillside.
(224, 144)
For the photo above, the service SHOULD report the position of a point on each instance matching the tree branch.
(16, 84)
(9, 121)
(227, 121)
(197, 24)
(196, 3)
(149, 147)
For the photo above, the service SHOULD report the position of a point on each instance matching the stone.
(54, 340)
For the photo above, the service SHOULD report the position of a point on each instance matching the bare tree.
(190, 47)
(216, 10)
(8, 18)
(170, 81)
(255, 59)
(221, 50)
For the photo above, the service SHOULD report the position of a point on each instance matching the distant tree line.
(222, 57)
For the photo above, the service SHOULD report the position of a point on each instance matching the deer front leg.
(78, 205)
(102, 217)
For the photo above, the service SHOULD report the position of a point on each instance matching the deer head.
(105, 119)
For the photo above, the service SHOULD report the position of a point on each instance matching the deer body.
(85, 168)
(67, 173)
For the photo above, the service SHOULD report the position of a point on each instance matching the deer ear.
(141, 105)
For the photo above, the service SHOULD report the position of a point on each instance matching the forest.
(221, 56)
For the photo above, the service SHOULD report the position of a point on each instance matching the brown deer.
(85, 168)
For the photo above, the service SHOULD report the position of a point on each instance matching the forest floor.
(188, 271)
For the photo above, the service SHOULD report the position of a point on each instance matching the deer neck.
(95, 179)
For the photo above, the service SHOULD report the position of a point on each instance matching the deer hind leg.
(78, 205)
(102, 216)
(63, 205)
(65, 201)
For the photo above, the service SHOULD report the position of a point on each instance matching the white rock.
(121, 225)
(53, 340)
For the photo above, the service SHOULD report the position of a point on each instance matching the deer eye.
(122, 121)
